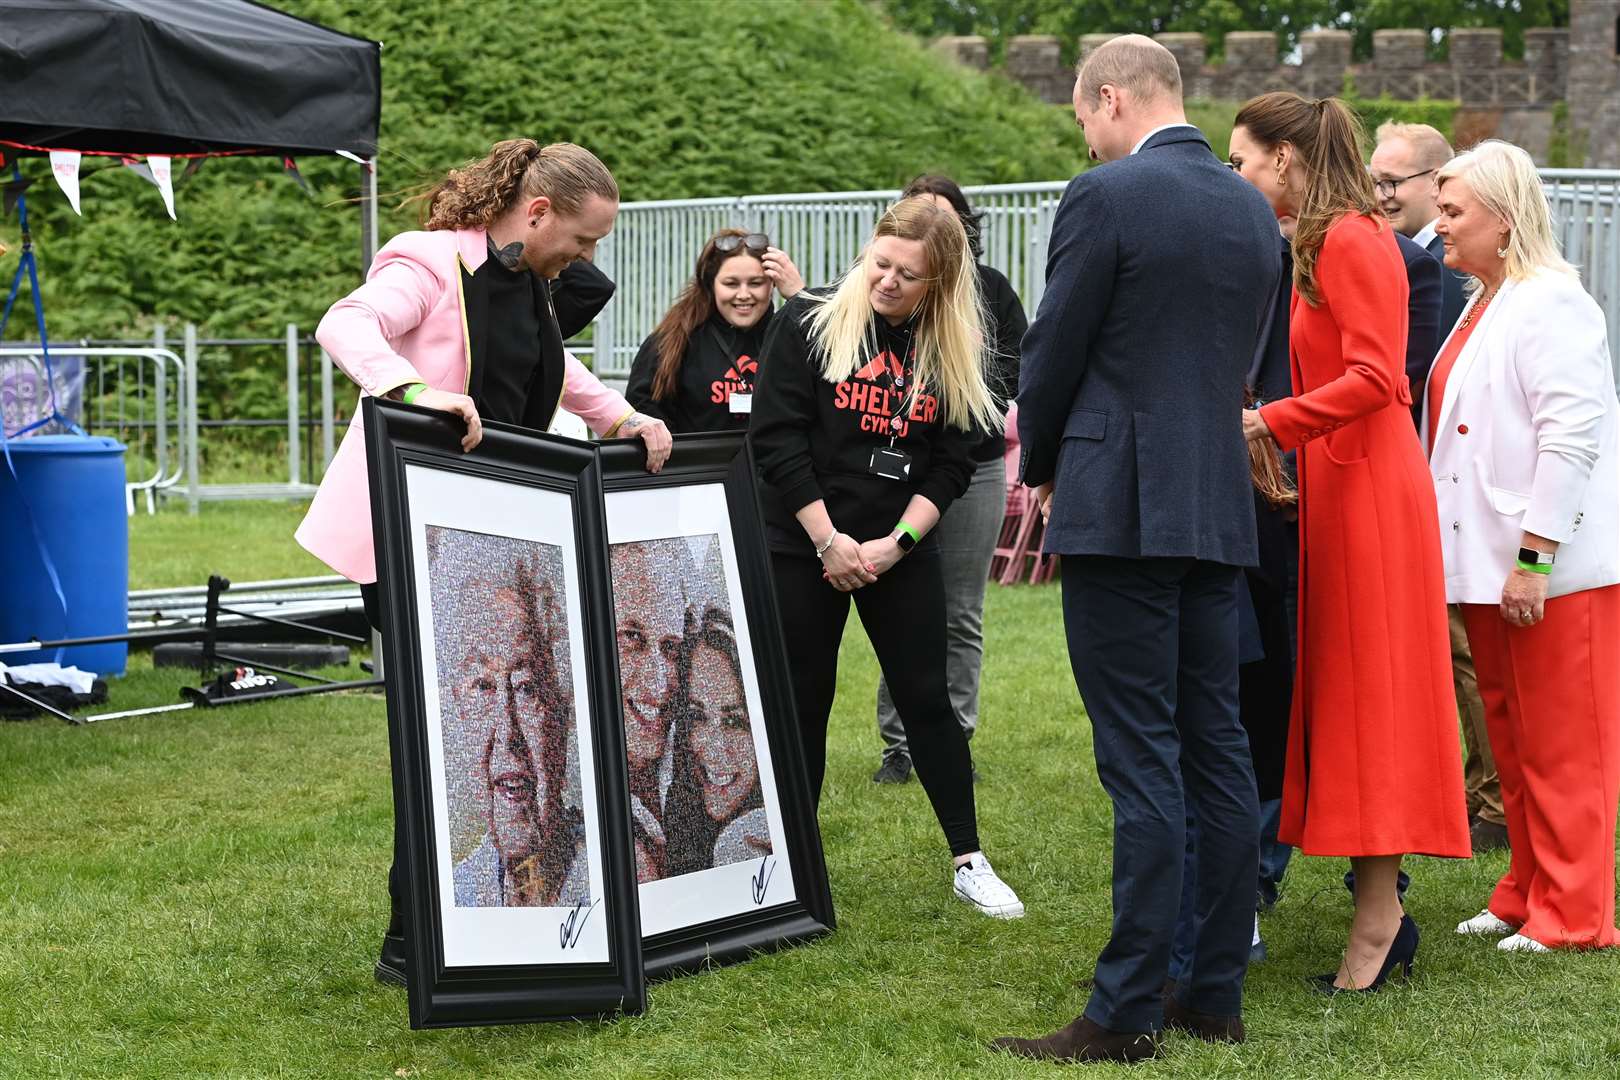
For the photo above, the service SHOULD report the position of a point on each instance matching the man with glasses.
(1403, 168)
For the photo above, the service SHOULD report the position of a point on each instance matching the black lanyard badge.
(890, 462)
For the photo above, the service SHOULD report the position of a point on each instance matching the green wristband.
(909, 531)
(1534, 568)
(412, 392)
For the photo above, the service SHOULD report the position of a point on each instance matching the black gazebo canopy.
(182, 77)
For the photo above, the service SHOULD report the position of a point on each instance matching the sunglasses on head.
(754, 241)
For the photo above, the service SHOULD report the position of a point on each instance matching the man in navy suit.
(1403, 167)
(1163, 264)
(1425, 292)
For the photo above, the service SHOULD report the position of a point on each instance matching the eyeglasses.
(754, 241)
(1386, 188)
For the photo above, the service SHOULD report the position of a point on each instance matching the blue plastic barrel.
(73, 488)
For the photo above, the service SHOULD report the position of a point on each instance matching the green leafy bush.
(692, 99)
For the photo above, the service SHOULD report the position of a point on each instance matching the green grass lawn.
(201, 894)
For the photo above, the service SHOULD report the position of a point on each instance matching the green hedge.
(680, 99)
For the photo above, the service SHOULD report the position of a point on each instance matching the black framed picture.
(728, 853)
(504, 723)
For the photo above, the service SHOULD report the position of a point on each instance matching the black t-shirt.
(720, 360)
(1008, 324)
(814, 439)
(511, 339)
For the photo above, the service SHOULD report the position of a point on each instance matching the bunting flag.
(13, 190)
(292, 170)
(191, 169)
(134, 165)
(65, 167)
(163, 177)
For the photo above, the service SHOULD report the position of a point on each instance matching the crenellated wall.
(1513, 99)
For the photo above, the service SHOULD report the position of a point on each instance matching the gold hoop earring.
(1282, 181)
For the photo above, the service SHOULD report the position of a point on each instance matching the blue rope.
(27, 263)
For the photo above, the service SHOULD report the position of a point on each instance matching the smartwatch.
(905, 537)
(1538, 561)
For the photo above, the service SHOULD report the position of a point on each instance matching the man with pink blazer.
(411, 323)
(463, 317)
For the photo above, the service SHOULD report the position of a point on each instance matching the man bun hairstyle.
(474, 195)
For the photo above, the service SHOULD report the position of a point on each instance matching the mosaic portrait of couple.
(510, 721)
(695, 796)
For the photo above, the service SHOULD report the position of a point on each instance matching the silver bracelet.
(822, 550)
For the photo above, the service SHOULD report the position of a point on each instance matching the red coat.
(1373, 761)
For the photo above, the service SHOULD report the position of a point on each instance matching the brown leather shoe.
(1081, 1041)
(1211, 1027)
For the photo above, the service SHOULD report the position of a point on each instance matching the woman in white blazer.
(1523, 431)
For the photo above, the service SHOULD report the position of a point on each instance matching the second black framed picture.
(728, 854)
(504, 723)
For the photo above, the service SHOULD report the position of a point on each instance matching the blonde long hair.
(1505, 181)
(949, 321)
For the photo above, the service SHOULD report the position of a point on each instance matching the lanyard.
(897, 384)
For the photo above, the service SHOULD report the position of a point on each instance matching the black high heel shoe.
(1402, 954)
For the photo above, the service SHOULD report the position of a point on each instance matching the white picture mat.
(691, 899)
(518, 935)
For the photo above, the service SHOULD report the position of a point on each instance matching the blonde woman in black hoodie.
(863, 429)
(696, 370)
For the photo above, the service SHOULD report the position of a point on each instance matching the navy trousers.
(1153, 644)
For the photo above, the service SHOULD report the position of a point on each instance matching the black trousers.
(396, 924)
(1153, 644)
(904, 616)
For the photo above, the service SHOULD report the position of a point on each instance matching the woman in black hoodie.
(863, 429)
(696, 370)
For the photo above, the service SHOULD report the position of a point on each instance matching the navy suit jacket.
(1130, 394)
(1424, 321)
(1452, 298)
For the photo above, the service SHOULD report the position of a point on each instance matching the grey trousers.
(966, 536)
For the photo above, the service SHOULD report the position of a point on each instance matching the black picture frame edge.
(522, 993)
(726, 458)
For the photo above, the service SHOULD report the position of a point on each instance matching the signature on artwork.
(574, 925)
(761, 880)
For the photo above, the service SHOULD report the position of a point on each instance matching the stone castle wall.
(1511, 99)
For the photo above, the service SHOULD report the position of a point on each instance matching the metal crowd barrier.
(160, 404)
(654, 244)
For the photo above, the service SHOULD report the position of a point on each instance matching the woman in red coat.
(1373, 770)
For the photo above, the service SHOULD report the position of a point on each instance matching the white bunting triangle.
(163, 177)
(65, 167)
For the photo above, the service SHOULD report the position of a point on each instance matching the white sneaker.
(1485, 923)
(1520, 943)
(978, 884)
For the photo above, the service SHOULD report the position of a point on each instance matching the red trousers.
(1552, 709)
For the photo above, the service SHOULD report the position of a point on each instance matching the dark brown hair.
(1327, 138)
(480, 191)
(691, 310)
(951, 192)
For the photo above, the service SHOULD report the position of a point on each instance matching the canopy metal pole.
(368, 251)
(368, 214)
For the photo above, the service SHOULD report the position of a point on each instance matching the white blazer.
(1529, 441)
